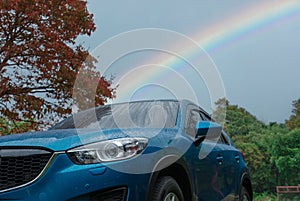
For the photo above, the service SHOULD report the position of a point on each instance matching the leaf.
(39, 59)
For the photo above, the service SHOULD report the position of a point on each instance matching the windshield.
(144, 114)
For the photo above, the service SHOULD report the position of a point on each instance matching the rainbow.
(259, 16)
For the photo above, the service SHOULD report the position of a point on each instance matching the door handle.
(237, 158)
(220, 159)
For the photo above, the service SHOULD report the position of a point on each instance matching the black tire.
(167, 189)
(245, 196)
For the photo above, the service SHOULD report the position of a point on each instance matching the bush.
(9, 127)
(264, 197)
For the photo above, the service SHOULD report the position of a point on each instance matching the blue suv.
(158, 150)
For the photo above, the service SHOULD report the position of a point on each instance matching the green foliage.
(272, 152)
(290, 197)
(273, 197)
(294, 121)
(8, 127)
(264, 197)
(238, 121)
(255, 148)
(285, 151)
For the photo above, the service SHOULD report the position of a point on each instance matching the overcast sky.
(254, 45)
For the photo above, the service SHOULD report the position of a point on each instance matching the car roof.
(184, 101)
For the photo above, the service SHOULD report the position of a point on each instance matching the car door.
(233, 160)
(228, 177)
(227, 159)
(207, 161)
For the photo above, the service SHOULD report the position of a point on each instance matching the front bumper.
(65, 181)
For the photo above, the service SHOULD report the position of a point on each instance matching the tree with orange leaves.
(40, 60)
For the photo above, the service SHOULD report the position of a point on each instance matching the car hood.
(61, 140)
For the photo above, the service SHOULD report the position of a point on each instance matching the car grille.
(115, 194)
(21, 166)
(111, 195)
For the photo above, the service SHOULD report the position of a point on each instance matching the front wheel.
(167, 189)
(245, 196)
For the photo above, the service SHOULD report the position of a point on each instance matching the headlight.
(107, 151)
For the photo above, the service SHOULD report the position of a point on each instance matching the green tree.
(294, 120)
(219, 114)
(285, 151)
(8, 127)
(255, 147)
(268, 156)
(238, 121)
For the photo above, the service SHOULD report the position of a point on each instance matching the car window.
(219, 139)
(223, 140)
(193, 116)
(204, 116)
(141, 114)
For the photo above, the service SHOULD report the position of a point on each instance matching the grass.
(273, 197)
(265, 197)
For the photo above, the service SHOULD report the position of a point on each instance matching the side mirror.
(204, 128)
